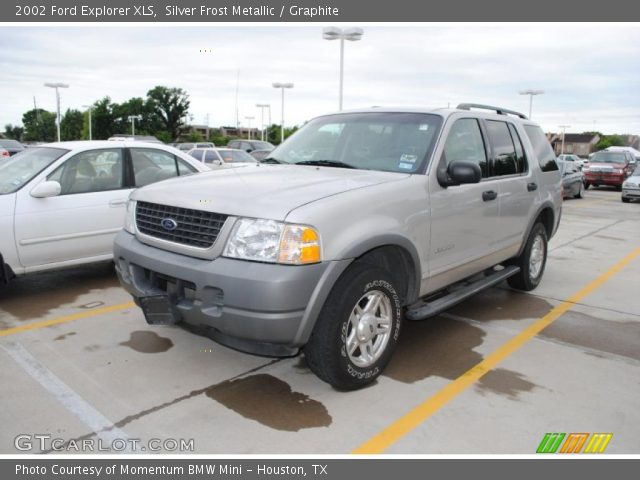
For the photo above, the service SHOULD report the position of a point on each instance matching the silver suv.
(359, 219)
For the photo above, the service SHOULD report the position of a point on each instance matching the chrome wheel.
(369, 328)
(536, 258)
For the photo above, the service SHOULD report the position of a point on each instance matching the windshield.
(608, 157)
(390, 142)
(236, 156)
(22, 167)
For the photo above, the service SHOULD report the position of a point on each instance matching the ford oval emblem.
(169, 224)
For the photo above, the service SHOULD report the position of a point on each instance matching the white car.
(221, 156)
(631, 186)
(61, 204)
(577, 161)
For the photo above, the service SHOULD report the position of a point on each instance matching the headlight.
(273, 242)
(629, 185)
(130, 217)
(617, 170)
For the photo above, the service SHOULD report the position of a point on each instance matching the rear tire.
(532, 260)
(357, 329)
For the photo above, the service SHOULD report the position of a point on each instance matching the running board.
(425, 309)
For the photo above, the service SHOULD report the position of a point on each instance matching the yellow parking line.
(67, 318)
(422, 412)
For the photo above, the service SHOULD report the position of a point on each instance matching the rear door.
(517, 189)
(82, 221)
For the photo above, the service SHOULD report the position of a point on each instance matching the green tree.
(103, 119)
(194, 137)
(275, 133)
(39, 125)
(170, 105)
(71, 125)
(14, 132)
(607, 141)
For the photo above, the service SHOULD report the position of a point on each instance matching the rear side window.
(506, 160)
(542, 148)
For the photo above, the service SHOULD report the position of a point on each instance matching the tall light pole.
(262, 106)
(57, 86)
(531, 93)
(89, 107)
(132, 119)
(335, 33)
(564, 128)
(249, 127)
(282, 86)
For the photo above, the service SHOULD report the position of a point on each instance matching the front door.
(82, 221)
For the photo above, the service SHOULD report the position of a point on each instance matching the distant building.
(574, 143)
(240, 132)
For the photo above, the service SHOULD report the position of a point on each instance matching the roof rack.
(498, 110)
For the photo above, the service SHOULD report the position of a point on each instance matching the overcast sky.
(590, 73)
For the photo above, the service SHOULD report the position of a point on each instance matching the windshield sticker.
(408, 158)
(405, 166)
(424, 127)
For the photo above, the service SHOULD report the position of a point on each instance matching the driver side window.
(90, 171)
(465, 143)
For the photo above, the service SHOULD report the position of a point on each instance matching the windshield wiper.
(325, 163)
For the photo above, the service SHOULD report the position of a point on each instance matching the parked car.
(579, 162)
(4, 153)
(250, 145)
(635, 153)
(608, 168)
(631, 186)
(10, 146)
(221, 156)
(185, 147)
(260, 155)
(572, 179)
(123, 137)
(326, 245)
(61, 204)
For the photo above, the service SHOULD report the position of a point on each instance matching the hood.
(606, 165)
(260, 191)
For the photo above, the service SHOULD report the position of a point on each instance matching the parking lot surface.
(492, 375)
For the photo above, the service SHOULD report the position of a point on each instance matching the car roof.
(90, 144)
(443, 112)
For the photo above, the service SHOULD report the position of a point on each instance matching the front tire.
(532, 260)
(626, 200)
(357, 329)
(580, 193)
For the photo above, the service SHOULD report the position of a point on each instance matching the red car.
(608, 168)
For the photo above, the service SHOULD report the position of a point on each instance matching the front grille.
(195, 228)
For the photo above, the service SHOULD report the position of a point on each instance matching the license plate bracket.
(157, 310)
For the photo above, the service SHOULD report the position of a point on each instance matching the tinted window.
(197, 154)
(233, 144)
(521, 160)
(609, 157)
(210, 156)
(465, 143)
(542, 148)
(504, 151)
(90, 171)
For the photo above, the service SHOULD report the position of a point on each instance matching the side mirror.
(217, 162)
(46, 189)
(463, 171)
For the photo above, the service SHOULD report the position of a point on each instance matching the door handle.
(489, 195)
(532, 186)
(117, 202)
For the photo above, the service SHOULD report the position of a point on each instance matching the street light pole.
(57, 86)
(531, 93)
(89, 107)
(132, 119)
(282, 86)
(564, 128)
(249, 127)
(335, 33)
(262, 106)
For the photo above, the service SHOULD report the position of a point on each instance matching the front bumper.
(259, 308)
(614, 179)
(631, 193)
